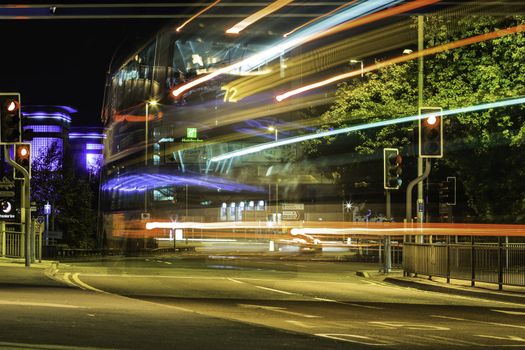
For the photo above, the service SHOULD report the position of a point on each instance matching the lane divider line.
(274, 290)
(236, 281)
(350, 304)
(25, 303)
(509, 312)
(482, 322)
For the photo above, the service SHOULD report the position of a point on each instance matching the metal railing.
(12, 241)
(499, 263)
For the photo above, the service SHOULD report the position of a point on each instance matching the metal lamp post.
(146, 141)
(273, 129)
(362, 66)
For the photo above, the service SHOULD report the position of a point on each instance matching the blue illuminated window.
(92, 146)
(44, 128)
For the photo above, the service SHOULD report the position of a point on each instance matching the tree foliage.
(485, 150)
(70, 195)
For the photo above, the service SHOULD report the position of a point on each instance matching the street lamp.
(273, 129)
(362, 66)
(146, 141)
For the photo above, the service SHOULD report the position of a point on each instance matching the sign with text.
(293, 206)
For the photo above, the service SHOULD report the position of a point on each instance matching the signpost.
(293, 211)
(47, 212)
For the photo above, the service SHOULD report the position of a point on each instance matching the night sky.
(64, 62)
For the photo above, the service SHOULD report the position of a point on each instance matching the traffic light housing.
(431, 133)
(23, 158)
(10, 118)
(392, 169)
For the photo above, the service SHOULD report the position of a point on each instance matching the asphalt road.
(243, 302)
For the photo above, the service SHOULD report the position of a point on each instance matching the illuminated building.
(50, 125)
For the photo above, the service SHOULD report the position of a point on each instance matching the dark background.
(64, 62)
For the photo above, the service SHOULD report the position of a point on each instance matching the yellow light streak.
(197, 15)
(276, 5)
(296, 42)
(430, 51)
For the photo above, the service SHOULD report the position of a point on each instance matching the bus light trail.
(426, 52)
(298, 39)
(197, 15)
(292, 140)
(274, 6)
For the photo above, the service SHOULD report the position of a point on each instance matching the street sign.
(292, 215)
(145, 216)
(47, 209)
(420, 207)
(293, 206)
(7, 209)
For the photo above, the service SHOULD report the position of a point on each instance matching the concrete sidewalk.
(20, 262)
(488, 291)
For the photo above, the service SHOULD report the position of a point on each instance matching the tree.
(70, 195)
(485, 150)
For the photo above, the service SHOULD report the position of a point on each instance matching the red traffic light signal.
(23, 158)
(431, 133)
(10, 121)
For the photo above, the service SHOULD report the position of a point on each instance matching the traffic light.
(392, 170)
(23, 158)
(10, 120)
(431, 133)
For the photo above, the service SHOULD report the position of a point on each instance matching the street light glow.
(431, 120)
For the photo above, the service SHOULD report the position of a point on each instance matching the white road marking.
(408, 325)
(274, 290)
(350, 304)
(236, 281)
(354, 338)
(509, 337)
(26, 303)
(277, 309)
(482, 322)
(300, 324)
(520, 313)
(68, 281)
(85, 285)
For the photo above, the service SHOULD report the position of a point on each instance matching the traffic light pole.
(410, 187)
(420, 84)
(26, 202)
(387, 266)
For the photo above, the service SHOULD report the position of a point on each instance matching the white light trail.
(292, 41)
(292, 140)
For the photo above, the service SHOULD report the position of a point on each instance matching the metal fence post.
(472, 263)
(3, 242)
(500, 264)
(448, 259)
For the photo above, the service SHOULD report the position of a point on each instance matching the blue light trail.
(291, 140)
